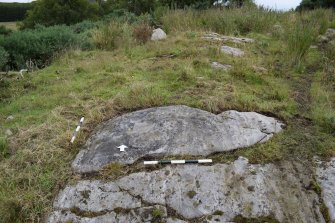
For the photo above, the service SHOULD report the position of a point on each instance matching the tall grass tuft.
(3, 148)
(113, 35)
(226, 21)
(299, 39)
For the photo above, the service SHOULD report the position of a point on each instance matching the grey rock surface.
(218, 37)
(327, 37)
(219, 66)
(196, 192)
(172, 130)
(138, 215)
(326, 178)
(158, 34)
(8, 132)
(95, 196)
(10, 118)
(236, 52)
(175, 220)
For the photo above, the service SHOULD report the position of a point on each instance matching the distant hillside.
(13, 11)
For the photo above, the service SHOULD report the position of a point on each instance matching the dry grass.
(10, 25)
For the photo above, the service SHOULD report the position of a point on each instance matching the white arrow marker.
(122, 147)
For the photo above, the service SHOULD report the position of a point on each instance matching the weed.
(4, 153)
(300, 38)
(191, 194)
(112, 36)
(142, 33)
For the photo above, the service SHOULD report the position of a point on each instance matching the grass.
(10, 25)
(47, 104)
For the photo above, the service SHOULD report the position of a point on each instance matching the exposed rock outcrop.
(218, 37)
(236, 52)
(326, 178)
(222, 191)
(219, 66)
(172, 130)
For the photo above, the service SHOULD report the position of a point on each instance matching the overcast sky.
(276, 4)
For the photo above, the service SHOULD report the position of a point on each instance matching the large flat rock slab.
(172, 130)
(326, 178)
(194, 192)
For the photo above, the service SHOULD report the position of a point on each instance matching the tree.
(53, 12)
(313, 4)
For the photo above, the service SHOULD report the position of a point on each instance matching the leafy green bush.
(39, 45)
(85, 26)
(3, 58)
(54, 12)
(5, 31)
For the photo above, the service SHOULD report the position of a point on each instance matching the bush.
(3, 58)
(84, 26)
(39, 45)
(142, 33)
(5, 31)
(54, 12)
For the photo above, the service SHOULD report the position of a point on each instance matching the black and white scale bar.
(77, 130)
(177, 161)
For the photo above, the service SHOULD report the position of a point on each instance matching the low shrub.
(39, 45)
(142, 33)
(5, 31)
(3, 58)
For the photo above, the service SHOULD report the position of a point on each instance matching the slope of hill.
(282, 73)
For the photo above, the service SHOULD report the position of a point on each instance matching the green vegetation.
(314, 4)
(54, 12)
(40, 45)
(13, 11)
(280, 75)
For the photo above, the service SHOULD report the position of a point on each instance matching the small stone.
(8, 132)
(260, 69)
(158, 34)
(232, 51)
(219, 66)
(10, 118)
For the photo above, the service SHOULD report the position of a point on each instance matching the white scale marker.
(77, 129)
(177, 161)
(122, 147)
